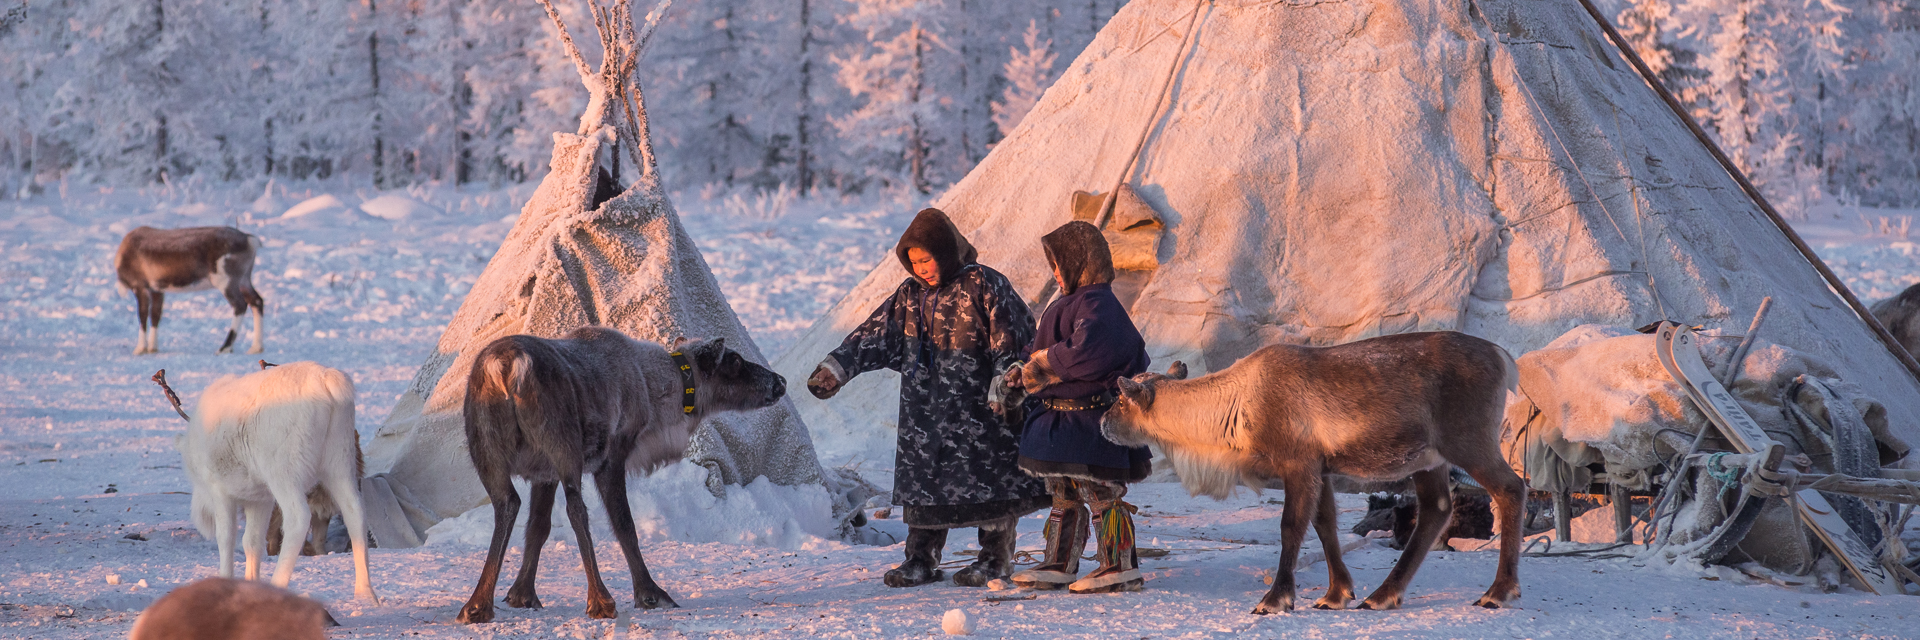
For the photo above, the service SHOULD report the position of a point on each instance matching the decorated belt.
(1101, 400)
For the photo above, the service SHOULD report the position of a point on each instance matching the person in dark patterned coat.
(1086, 341)
(948, 330)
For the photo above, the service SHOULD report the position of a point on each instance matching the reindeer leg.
(506, 507)
(612, 482)
(1302, 496)
(259, 314)
(223, 528)
(522, 595)
(345, 490)
(1436, 507)
(239, 305)
(295, 519)
(1509, 505)
(153, 312)
(254, 540)
(1339, 581)
(599, 603)
(142, 301)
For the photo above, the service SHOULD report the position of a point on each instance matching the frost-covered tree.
(1028, 75)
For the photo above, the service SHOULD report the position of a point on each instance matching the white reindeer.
(155, 262)
(268, 439)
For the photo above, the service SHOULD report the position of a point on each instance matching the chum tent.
(1321, 172)
(574, 260)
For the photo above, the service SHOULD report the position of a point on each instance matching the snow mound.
(317, 204)
(674, 504)
(324, 211)
(398, 207)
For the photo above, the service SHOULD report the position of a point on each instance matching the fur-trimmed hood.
(1080, 253)
(934, 233)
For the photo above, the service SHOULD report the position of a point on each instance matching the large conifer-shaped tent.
(573, 260)
(1331, 171)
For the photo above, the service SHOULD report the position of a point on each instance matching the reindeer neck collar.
(685, 365)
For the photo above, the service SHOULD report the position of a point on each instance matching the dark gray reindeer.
(596, 401)
(155, 262)
(1381, 409)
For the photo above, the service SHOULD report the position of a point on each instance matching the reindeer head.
(1124, 422)
(727, 381)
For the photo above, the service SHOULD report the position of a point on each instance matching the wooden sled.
(1679, 352)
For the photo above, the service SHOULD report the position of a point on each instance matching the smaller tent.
(585, 251)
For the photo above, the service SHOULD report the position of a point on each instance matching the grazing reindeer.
(275, 438)
(595, 401)
(1380, 409)
(154, 262)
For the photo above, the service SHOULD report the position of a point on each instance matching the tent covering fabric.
(626, 264)
(1332, 170)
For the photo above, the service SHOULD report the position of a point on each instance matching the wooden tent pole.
(1626, 50)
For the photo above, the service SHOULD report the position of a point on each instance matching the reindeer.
(1379, 409)
(596, 401)
(154, 262)
(275, 439)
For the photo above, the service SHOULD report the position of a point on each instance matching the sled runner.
(1680, 353)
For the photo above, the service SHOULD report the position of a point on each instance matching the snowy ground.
(86, 455)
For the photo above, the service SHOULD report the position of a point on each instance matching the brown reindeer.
(154, 262)
(594, 402)
(1380, 409)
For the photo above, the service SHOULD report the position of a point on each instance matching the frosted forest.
(1816, 99)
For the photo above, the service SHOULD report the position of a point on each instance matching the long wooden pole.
(1626, 50)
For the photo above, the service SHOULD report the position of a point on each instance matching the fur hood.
(1079, 251)
(932, 232)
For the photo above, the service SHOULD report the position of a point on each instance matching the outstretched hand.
(1013, 376)
(823, 384)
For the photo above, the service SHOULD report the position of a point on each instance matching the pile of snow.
(323, 211)
(395, 207)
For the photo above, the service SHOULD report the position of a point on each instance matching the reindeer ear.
(1178, 371)
(1139, 393)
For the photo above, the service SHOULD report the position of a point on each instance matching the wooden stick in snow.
(160, 378)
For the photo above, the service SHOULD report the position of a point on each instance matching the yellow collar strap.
(686, 380)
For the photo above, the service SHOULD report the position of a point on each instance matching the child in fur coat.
(1085, 342)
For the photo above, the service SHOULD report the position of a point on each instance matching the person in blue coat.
(1084, 343)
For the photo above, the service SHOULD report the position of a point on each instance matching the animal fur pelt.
(228, 609)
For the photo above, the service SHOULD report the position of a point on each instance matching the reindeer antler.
(160, 378)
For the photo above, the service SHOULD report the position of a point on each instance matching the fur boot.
(996, 554)
(1066, 535)
(1119, 563)
(923, 559)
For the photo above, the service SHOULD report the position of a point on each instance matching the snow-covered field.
(88, 468)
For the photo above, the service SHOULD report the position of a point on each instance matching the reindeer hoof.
(653, 598)
(602, 609)
(1382, 604)
(475, 613)
(527, 600)
(1489, 602)
(256, 350)
(1274, 604)
(1332, 605)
